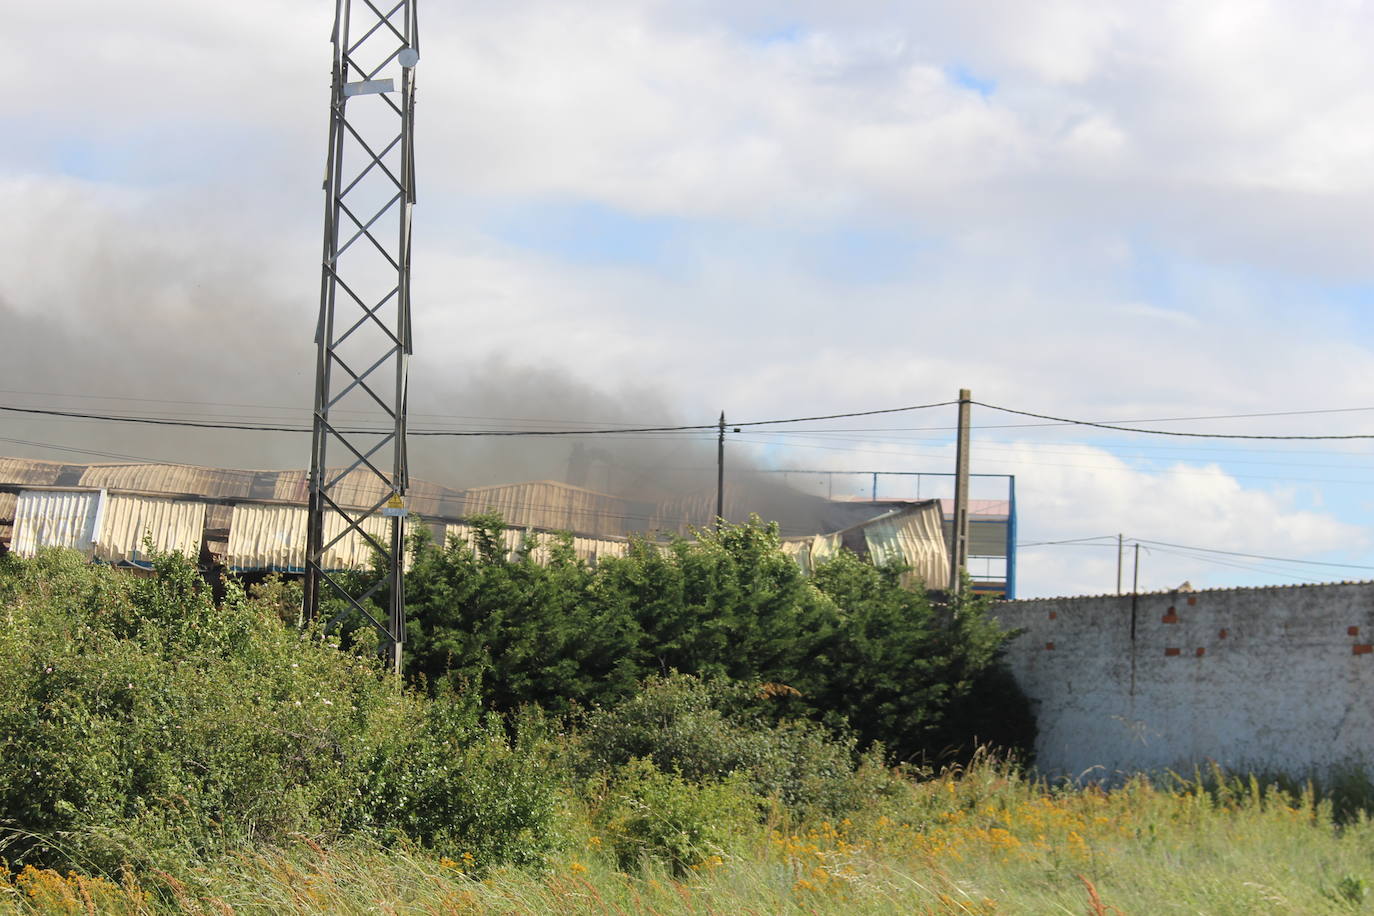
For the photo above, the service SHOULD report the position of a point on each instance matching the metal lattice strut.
(369, 186)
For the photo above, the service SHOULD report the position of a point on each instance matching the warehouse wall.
(1265, 678)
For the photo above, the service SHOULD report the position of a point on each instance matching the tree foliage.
(850, 647)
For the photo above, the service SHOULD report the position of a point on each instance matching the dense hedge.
(849, 648)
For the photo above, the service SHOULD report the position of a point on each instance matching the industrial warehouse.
(247, 521)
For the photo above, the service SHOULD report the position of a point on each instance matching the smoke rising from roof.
(136, 319)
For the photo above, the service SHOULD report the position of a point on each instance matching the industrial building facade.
(248, 521)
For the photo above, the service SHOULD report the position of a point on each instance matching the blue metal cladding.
(1011, 537)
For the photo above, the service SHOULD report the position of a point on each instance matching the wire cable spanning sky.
(735, 425)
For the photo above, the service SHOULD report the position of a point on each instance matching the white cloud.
(1069, 491)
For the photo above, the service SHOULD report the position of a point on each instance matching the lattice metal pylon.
(363, 337)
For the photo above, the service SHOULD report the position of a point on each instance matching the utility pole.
(1119, 538)
(1135, 580)
(958, 550)
(363, 338)
(720, 474)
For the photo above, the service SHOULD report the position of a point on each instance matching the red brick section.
(1171, 651)
(1361, 649)
(1192, 600)
(1352, 631)
(1170, 616)
(1049, 647)
(1201, 651)
(1223, 633)
(1053, 614)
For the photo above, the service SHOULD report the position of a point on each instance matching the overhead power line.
(1096, 541)
(1253, 556)
(246, 427)
(1168, 432)
(705, 427)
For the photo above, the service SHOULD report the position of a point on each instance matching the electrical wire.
(244, 427)
(1234, 565)
(1169, 432)
(1118, 469)
(1254, 556)
(81, 451)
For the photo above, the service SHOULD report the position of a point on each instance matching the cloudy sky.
(637, 211)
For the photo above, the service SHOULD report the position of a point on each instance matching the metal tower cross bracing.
(363, 337)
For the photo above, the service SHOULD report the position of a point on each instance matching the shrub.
(647, 814)
(140, 722)
(706, 730)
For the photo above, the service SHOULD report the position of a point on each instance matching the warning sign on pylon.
(395, 507)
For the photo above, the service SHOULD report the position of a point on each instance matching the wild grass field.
(982, 841)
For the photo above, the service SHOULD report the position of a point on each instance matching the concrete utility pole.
(1135, 581)
(720, 474)
(958, 548)
(363, 338)
(1119, 538)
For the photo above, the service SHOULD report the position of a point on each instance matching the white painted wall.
(1258, 678)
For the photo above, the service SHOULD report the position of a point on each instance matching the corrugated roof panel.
(359, 488)
(266, 537)
(353, 551)
(273, 538)
(425, 498)
(29, 472)
(54, 518)
(912, 536)
(7, 503)
(825, 546)
(589, 550)
(172, 525)
(799, 549)
(551, 506)
(594, 550)
(217, 517)
(169, 478)
(292, 486)
(362, 489)
(510, 538)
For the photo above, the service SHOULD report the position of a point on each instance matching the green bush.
(650, 815)
(140, 722)
(706, 730)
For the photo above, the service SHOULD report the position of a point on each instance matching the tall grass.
(979, 841)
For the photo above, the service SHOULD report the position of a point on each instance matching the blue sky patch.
(963, 76)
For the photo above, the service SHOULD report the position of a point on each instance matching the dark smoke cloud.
(139, 315)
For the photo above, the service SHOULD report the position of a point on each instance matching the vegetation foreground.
(163, 752)
(982, 841)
